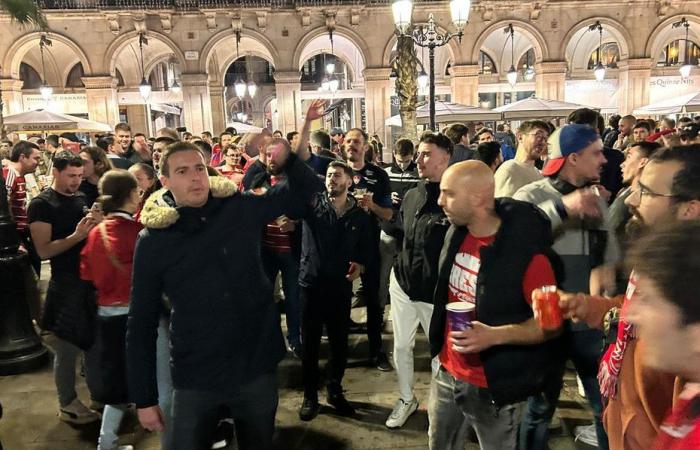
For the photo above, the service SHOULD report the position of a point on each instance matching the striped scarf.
(611, 364)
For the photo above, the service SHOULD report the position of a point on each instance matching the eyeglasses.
(644, 191)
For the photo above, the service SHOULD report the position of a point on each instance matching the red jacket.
(109, 266)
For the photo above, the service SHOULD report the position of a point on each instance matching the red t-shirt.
(462, 288)
(681, 429)
(110, 271)
(17, 197)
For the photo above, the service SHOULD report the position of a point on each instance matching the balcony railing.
(203, 4)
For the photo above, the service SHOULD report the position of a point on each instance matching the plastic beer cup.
(460, 315)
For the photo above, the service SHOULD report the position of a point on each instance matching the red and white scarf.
(611, 364)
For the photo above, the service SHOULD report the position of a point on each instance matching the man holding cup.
(492, 353)
(372, 191)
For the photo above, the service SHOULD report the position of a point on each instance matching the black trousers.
(375, 313)
(327, 302)
(253, 406)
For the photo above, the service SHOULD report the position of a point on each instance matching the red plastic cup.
(460, 315)
(545, 305)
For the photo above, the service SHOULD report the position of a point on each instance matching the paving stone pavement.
(30, 411)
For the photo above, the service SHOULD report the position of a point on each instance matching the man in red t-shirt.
(25, 158)
(666, 316)
(493, 257)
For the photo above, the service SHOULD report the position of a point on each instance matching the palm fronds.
(24, 12)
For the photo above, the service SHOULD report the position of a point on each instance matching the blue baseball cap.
(566, 141)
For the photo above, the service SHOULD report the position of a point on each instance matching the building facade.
(94, 62)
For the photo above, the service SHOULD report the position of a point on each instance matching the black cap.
(691, 131)
(70, 136)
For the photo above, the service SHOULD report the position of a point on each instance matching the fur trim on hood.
(160, 212)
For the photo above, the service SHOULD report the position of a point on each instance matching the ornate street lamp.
(144, 86)
(45, 90)
(599, 69)
(686, 68)
(429, 36)
(512, 74)
(175, 88)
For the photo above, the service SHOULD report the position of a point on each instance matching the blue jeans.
(455, 406)
(288, 264)
(584, 350)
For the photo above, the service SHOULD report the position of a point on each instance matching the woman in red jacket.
(106, 260)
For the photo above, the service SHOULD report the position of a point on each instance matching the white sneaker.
(402, 411)
(122, 447)
(587, 435)
(581, 390)
(77, 413)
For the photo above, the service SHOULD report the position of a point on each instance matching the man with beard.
(335, 248)
(520, 171)
(577, 214)
(668, 190)
(372, 190)
(423, 224)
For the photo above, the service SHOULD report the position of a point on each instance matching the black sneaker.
(382, 363)
(309, 409)
(341, 405)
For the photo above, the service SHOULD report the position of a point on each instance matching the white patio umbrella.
(242, 128)
(538, 108)
(446, 112)
(46, 121)
(688, 103)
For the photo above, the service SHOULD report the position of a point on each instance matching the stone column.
(218, 109)
(139, 118)
(377, 100)
(288, 92)
(465, 84)
(550, 80)
(102, 101)
(633, 84)
(11, 96)
(196, 102)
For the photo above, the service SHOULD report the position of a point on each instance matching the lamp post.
(144, 86)
(429, 37)
(686, 68)
(599, 69)
(512, 74)
(45, 90)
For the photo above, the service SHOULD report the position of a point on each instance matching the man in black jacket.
(335, 246)
(423, 225)
(459, 135)
(226, 340)
(493, 258)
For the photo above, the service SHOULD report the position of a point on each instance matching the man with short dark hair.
(21, 188)
(459, 135)
(335, 248)
(320, 143)
(226, 340)
(372, 188)
(114, 152)
(578, 215)
(666, 318)
(520, 171)
(159, 146)
(490, 154)
(123, 139)
(207, 137)
(668, 191)
(293, 138)
(59, 226)
(624, 137)
(485, 135)
(640, 132)
(422, 225)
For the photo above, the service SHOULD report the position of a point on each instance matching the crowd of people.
(166, 253)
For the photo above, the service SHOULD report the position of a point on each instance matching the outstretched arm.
(316, 111)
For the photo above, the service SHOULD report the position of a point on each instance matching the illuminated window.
(609, 54)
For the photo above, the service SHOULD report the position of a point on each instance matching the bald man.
(495, 254)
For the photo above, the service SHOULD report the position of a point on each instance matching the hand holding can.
(545, 305)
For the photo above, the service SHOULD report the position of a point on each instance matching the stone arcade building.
(94, 63)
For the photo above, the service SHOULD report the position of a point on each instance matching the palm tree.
(406, 65)
(26, 13)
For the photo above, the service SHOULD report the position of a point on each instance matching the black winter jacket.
(330, 243)
(222, 335)
(424, 225)
(513, 372)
